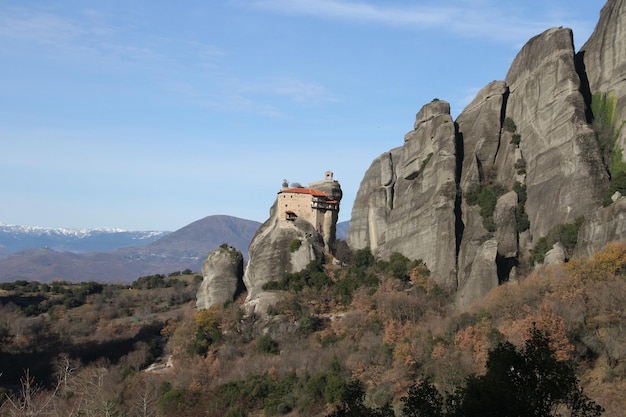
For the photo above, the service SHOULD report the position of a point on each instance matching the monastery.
(309, 204)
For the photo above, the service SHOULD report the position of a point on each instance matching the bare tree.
(32, 400)
(144, 403)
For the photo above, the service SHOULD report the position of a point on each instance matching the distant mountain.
(185, 248)
(17, 238)
(342, 230)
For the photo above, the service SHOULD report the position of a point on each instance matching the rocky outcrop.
(374, 201)
(222, 273)
(411, 191)
(607, 224)
(565, 172)
(603, 59)
(556, 255)
(271, 255)
(287, 242)
(527, 141)
(483, 276)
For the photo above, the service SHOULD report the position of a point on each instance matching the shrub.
(363, 258)
(521, 217)
(618, 183)
(485, 196)
(295, 245)
(170, 401)
(208, 330)
(509, 125)
(516, 139)
(265, 344)
(603, 107)
(566, 234)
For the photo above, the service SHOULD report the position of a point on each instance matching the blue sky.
(149, 115)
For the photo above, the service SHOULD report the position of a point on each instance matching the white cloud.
(496, 21)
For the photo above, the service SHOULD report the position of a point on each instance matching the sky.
(151, 114)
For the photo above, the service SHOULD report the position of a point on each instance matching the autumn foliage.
(371, 333)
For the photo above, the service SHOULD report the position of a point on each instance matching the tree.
(352, 404)
(526, 382)
(423, 400)
(530, 381)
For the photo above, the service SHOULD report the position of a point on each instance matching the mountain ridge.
(185, 248)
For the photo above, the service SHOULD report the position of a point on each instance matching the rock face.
(412, 191)
(603, 59)
(607, 224)
(565, 172)
(525, 146)
(222, 273)
(301, 229)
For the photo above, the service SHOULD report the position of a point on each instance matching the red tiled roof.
(314, 193)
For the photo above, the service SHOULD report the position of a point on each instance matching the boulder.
(556, 255)
(222, 281)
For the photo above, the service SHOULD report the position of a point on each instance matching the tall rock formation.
(472, 197)
(222, 273)
(565, 172)
(411, 191)
(301, 229)
(603, 60)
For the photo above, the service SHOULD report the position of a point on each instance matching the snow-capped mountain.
(111, 255)
(15, 238)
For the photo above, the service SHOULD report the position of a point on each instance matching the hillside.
(375, 327)
(185, 248)
(484, 275)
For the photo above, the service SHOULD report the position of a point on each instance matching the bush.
(313, 276)
(566, 234)
(171, 400)
(265, 344)
(509, 125)
(485, 196)
(521, 217)
(516, 139)
(295, 245)
(363, 258)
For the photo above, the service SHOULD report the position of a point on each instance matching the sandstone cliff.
(603, 60)
(472, 197)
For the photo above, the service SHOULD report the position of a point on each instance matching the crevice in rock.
(459, 226)
(504, 267)
(584, 88)
(505, 97)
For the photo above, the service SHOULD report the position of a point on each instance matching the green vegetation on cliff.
(608, 128)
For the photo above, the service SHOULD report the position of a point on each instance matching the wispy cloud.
(497, 21)
(41, 28)
(421, 15)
